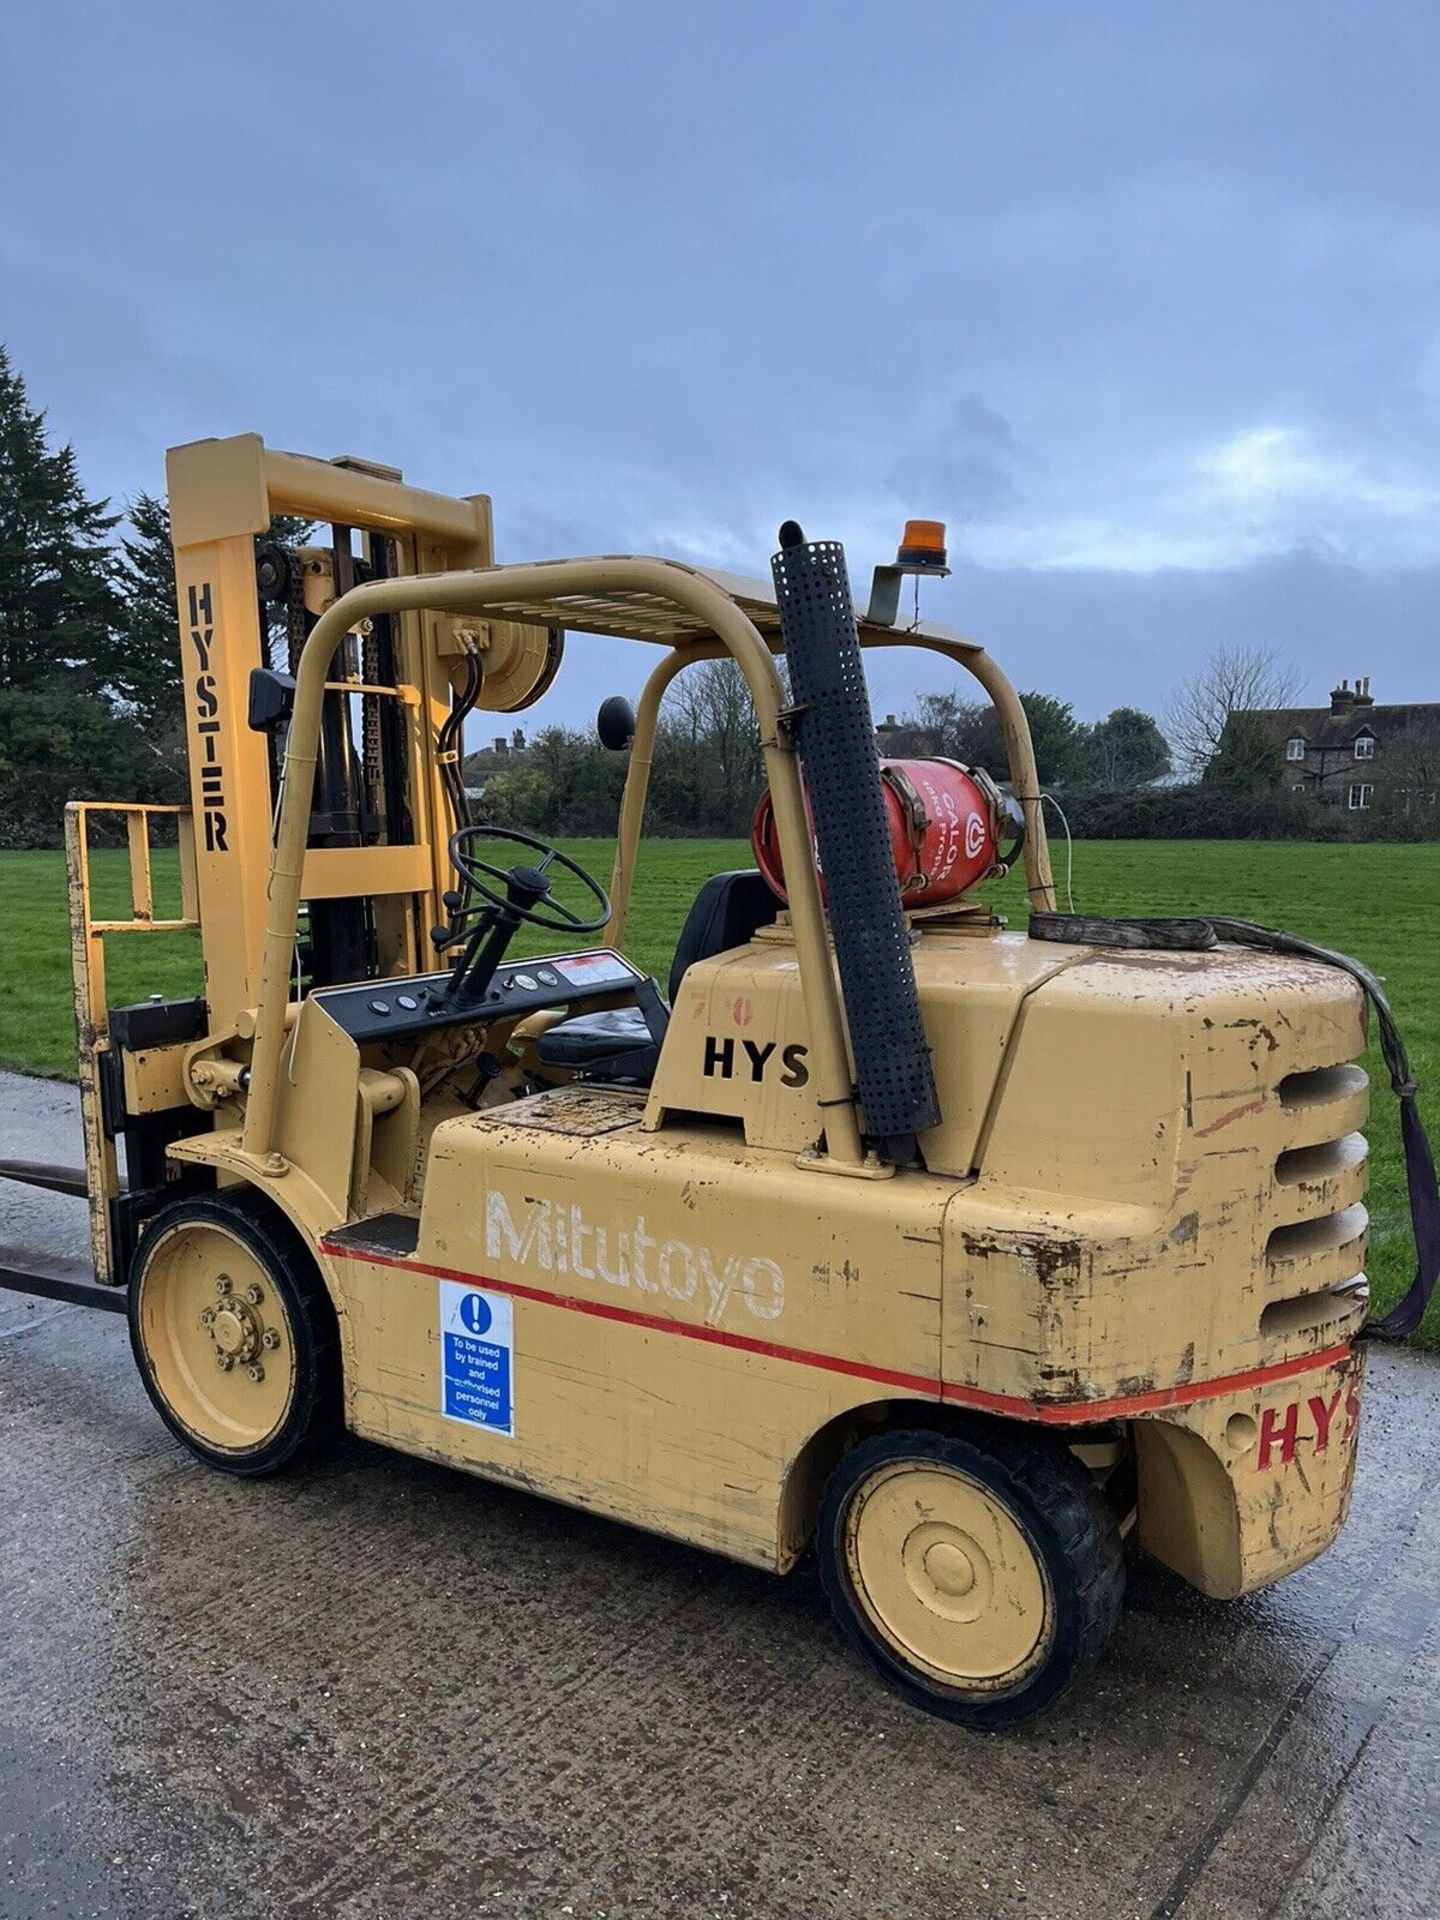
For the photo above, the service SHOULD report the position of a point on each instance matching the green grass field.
(1379, 903)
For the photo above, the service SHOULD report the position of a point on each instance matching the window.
(1359, 796)
(1365, 746)
(1295, 747)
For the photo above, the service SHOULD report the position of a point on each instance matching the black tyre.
(233, 1332)
(982, 1580)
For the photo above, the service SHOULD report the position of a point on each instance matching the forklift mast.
(378, 815)
(224, 495)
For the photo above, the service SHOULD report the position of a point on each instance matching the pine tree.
(58, 611)
(146, 666)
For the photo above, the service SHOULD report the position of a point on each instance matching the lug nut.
(272, 1338)
(222, 1285)
(207, 1318)
(256, 1373)
(224, 1362)
(254, 1296)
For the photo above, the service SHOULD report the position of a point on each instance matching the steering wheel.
(522, 894)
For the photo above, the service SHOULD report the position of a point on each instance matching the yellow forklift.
(962, 1253)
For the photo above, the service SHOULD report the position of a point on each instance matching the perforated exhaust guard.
(835, 732)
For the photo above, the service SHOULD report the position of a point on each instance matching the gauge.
(407, 1001)
(547, 978)
(379, 1006)
(525, 981)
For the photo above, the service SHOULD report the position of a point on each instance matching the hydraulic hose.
(449, 757)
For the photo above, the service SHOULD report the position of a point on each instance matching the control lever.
(497, 923)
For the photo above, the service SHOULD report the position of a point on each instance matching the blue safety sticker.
(477, 1355)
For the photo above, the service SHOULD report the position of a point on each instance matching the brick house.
(1358, 755)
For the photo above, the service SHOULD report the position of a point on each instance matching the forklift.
(969, 1257)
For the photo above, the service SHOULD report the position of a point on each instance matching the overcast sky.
(1143, 299)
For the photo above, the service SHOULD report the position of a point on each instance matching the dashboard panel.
(400, 1009)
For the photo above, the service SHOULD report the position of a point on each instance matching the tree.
(944, 724)
(579, 783)
(1248, 759)
(710, 712)
(970, 731)
(1233, 680)
(58, 610)
(1125, 749)
(1407, 798)
(147, 665)
(515, 797)
(54, 747)
(1056, 734)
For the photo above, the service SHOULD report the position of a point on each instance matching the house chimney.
(1362, 693)
(1341, 698)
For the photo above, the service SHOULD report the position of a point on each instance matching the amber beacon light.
(921, 551)
(922, 547)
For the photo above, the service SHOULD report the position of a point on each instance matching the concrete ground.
(376, 1690)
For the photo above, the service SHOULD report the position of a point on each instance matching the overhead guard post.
(474, 592)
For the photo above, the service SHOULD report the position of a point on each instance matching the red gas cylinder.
(945, 826)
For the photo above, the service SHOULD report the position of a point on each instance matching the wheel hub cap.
(949, 1567)
(236, 1331)
(217, 1337)
(948, 1575)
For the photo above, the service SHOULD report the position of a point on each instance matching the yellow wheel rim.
(948, 1577)
(217, 1336)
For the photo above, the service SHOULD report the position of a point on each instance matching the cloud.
(1272, 488)
(1147, 314)
(963, 470)
(1281, 468)
(1266, 462)
(1252, 495)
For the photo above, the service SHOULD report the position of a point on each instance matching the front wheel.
(982, 1581)
(233, 1332)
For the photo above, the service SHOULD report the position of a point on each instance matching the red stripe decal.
(1074, 1413)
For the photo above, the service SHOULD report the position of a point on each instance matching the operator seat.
(728, 911)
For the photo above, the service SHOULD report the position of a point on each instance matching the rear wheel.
(981, 1581)
(233, 1332)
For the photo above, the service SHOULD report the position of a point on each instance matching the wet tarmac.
(374, 1689)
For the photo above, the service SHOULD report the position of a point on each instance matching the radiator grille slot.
(1314, 1264)
(1309, 1166)
(1310, 1239)
(1304, 1312)
(1313, 1089)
